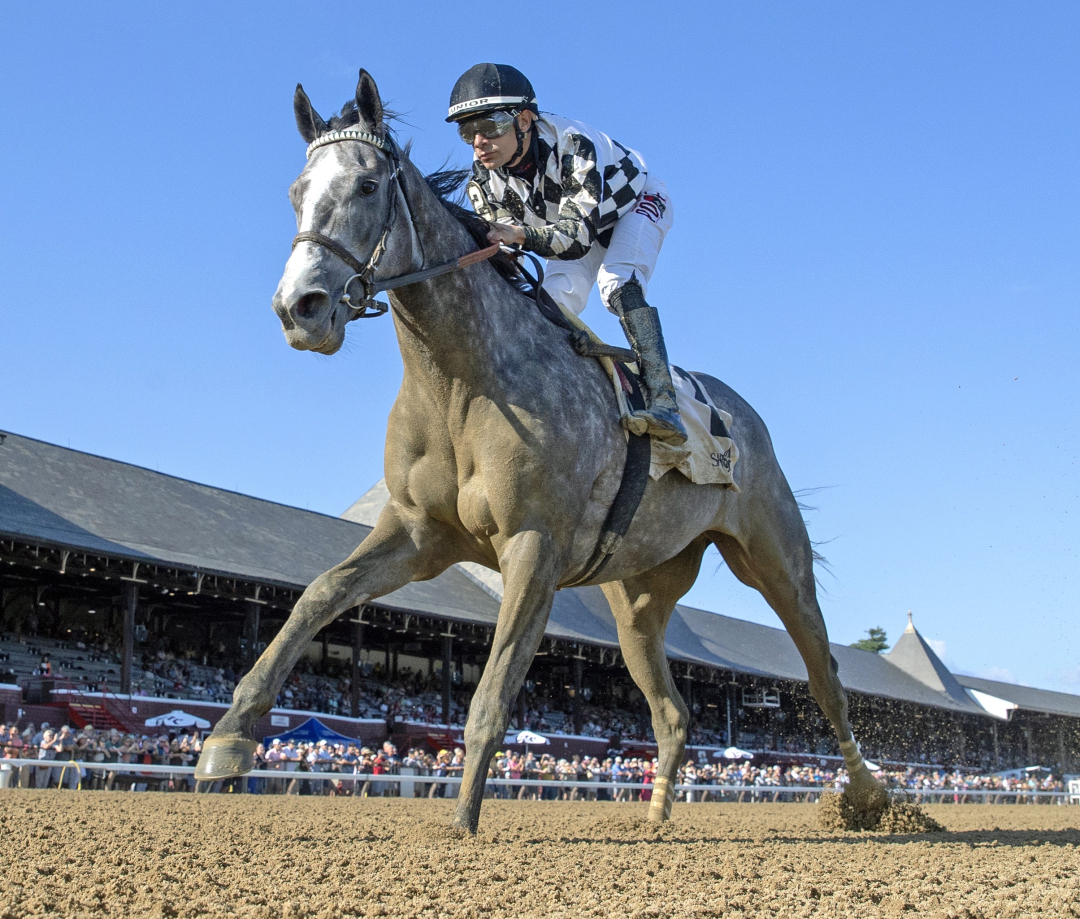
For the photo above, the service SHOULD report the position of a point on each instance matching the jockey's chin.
(493, 159)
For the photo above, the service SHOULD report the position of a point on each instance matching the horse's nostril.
(308, 305)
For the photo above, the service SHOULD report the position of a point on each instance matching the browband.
(334, 137)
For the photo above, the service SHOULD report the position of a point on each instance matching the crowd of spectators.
(90, 745)
(409, 697)
(353, 765)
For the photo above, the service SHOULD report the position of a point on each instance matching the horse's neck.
(459, 328)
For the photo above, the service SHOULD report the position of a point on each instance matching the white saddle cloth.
(709, 455)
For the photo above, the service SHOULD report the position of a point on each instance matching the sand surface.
(79, 854)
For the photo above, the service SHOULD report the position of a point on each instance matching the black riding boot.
(641, 323)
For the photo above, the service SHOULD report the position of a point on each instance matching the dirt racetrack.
(82, 854)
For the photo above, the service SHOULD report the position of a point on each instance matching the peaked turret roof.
(917, 659)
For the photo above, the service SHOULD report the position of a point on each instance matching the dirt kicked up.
(93, 854)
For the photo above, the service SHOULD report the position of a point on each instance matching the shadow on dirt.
(1017, 839)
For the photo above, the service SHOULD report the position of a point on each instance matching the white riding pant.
(635, 245)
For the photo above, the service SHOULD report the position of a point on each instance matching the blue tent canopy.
(311, 731)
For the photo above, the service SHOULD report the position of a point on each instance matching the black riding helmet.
(489, 88)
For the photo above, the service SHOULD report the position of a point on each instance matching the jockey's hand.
(506, 233)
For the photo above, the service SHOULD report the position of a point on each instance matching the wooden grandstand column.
(732, 713)
(131, 604)
(354, 666)
(688, 697)
(251, 632)
(447, 674)
(579, 671)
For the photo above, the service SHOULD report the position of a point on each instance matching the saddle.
(707, 458)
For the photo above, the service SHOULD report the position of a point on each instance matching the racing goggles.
(489, 125)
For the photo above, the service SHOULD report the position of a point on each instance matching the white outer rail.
(147, 770)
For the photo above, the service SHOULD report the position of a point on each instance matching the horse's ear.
(369, 105)
(308, 121)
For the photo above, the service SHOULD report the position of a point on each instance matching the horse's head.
(348, 200)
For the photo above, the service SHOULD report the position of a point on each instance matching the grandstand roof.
(74, 499)
(65, 497)
(1026, 698)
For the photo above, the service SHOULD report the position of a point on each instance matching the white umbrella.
(736, 753)
(530, 739)
(177, 718)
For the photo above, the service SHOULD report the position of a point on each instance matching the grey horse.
(504, 448)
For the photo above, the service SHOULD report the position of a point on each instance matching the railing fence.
(694, 792)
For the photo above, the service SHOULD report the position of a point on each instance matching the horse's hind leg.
(642, 606)
(401, 548)
(772, 554)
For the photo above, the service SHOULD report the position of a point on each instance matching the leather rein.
(369, 307)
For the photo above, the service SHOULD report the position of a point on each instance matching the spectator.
(275, 762)
(46, 749)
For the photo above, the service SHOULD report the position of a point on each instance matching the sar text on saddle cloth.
(709, 455)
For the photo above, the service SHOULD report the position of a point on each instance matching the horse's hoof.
(866, 792)
(656, 815)
(864, 804)
(225, 758)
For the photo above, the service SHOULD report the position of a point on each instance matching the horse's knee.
(329, 589)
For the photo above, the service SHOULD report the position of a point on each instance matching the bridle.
(369, 307)
(364, 273)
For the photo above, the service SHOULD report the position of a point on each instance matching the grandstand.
(143, 588)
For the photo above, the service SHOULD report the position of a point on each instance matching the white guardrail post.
(925, 796)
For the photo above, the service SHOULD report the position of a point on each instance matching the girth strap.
(635, 476)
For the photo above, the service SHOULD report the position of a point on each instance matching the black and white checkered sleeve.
(574, 232)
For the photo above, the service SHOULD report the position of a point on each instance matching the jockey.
(584, 202)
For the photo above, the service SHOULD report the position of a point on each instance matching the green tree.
(875, 641)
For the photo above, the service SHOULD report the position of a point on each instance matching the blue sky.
(876, 242)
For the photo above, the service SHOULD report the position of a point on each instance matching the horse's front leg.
(400, 549)
(530, 567)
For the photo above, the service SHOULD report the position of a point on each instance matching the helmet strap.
(521, 135)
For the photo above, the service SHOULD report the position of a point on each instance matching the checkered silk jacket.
(584, 182)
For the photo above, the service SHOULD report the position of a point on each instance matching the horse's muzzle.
(307, 320)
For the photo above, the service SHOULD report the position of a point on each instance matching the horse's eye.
(368, 186)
